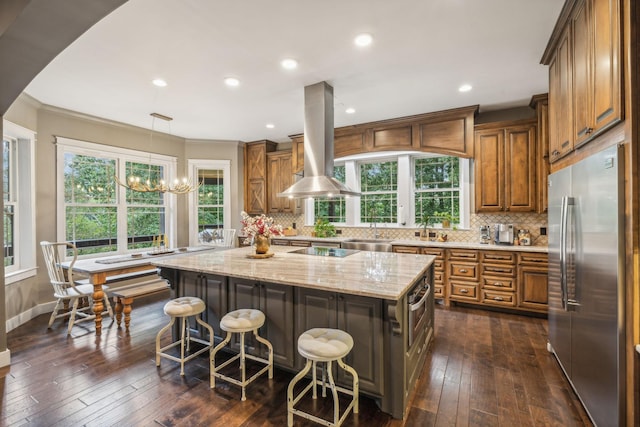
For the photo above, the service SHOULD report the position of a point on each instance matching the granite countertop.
(424, 243)
(382, 275)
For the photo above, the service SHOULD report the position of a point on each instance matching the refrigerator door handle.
(564, 223)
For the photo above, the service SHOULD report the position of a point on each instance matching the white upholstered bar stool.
(183, 307)
(323, 345)
(241, 321)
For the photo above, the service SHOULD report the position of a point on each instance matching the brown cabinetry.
(584, 74)
(505, 167)
(462, 275)
(540, 103)
(533, 281)
(498, 278)
(255, 176)
(279, 178)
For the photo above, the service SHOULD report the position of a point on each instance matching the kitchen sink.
(374, 245)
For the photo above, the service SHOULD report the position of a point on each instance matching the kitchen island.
(384, 300)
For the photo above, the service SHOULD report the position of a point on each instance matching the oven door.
(418, 311)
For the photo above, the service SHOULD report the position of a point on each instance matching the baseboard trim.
(5, 358)
(29, 314)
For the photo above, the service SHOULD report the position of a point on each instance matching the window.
(332, 209)
(397, 188)
(18, 146)
(98, 215)
(213, 199)
(379, 185)
(437, 189)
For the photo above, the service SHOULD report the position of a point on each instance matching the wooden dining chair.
(228, 236)
(65, 289)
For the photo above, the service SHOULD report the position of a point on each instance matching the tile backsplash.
(531, 221)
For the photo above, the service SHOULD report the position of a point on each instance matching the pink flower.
(259, 225)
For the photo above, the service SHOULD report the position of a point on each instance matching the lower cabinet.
(213, 291)
(272, 298)
(533, 282)
(361, 317)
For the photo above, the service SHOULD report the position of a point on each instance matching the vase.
(262, 244)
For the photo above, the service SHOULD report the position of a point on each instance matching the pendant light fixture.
(141, 185)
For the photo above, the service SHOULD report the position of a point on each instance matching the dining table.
(99, 270)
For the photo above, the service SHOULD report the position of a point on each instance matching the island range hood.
(318, 180)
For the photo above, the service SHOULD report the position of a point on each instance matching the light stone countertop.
(382, 275)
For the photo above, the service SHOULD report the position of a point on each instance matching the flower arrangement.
(259, 225)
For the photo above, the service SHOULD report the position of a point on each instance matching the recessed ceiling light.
(159, 82)
(350, 110)
(231, 81)
(465, 88)
(289, 64)
(363, 39)
(270, 125)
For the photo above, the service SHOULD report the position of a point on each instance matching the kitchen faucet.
(373, 225)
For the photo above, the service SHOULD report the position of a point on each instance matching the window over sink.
(399, 189)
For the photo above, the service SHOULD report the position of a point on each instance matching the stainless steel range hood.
(318, 180)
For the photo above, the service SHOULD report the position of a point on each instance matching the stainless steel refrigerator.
(586, 279)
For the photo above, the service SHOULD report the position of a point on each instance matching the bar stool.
(183, 307)
(241, 321)
(323, 345)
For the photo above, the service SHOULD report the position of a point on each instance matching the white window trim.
(122, 155)
(26, 253)
(193, 165)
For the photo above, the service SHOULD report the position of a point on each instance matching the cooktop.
(322, 251)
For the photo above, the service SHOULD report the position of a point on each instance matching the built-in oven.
(418, 308)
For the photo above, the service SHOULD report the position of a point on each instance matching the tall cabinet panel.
(279, 178)
(255, 176)
(489, 166)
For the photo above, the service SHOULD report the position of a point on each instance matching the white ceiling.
(423, 50)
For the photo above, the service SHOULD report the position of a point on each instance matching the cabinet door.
(561, 100)
(315, 309)
(287, 205)
(277, 304)
(273, 178)
(489, 170)
(244, 294)
(533, 283)
(582, 112)
(607, 90)
(279, 178)
(520, 166)
(256, 197)
(361, 318)
(213, 291)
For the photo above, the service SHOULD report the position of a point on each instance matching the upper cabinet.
(279, 178)
(255, 176)
(584, 74)
(505, 167)
(540, 103)
(447, 132)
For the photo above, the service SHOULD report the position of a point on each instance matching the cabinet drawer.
(463, 291)
(438, 291)
(276, 242)
(438, 277)
(406, 249)
(533, 258)
(462, 270)
(498, 283)
(438, 265)
(498, 298)
(438, 253)
(499, 270)
(499, 257)
(463, 254)
(302, 243)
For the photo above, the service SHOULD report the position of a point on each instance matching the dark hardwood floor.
(483, 369)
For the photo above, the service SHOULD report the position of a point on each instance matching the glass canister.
(524, 237)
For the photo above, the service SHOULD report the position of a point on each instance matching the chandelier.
(178, 186)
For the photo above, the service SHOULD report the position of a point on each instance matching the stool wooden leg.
(118, 304)
(162, 331)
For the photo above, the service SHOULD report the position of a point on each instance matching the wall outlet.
(338, 231)
(416, 233)
(543, 231)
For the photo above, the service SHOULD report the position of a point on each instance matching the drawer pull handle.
(498, 284)
(499, 270)
(464, 291)
(498, 257)
(463, 270)
(498, 298)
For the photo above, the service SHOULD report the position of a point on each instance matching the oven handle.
(416, 306)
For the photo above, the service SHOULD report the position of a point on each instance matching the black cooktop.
(322, 251)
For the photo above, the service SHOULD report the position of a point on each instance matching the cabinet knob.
(589, 130)
(555, 153)
(498, 298)
(463, 270)
(464, 291)
(498, 284)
